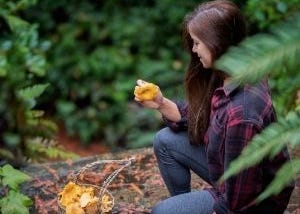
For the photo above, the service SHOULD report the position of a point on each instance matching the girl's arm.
(165, 106)
(169, 110)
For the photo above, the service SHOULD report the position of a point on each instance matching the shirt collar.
(229, 87)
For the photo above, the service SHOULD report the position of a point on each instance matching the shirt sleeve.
(242, 189)
(182, 124)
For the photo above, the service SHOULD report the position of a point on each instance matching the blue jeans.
(176, 157)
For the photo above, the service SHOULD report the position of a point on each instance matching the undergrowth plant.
(13, 201)
(22, 65)
(263, 14)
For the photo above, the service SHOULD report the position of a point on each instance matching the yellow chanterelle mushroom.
(147, 91)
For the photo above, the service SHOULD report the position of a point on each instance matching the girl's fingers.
(140, 82)
(138, 100)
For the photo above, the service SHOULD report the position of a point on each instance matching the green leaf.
(283, 177)
(36, 65)
(11, 139)
(3, 72)
(65, 108)
(3, 64)
(6, 154)
(35, 113)
(12, 177)
(23, 4)
(15, 203)
(32, 92)
(16, 23)
(281, 7)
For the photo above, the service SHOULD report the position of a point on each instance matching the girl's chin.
(203, 64)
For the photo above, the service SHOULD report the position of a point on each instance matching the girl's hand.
(155, 103)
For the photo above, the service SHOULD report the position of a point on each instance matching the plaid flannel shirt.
(237, 114)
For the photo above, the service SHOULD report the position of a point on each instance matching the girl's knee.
(158, 209)
(162, 138)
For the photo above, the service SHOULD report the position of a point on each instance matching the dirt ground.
(73, 144)
(135, 189)
(141, 193)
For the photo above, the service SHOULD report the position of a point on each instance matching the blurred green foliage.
(94, 51)
(263, 14)
(22, 67)
(98, 51)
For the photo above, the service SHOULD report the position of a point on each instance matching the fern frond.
(32, 91)
(40, 148)
(34, 113)
(267, 143)
(6, 154)
(262, 54)
(285, 93)
(283, 177)
(49, 124)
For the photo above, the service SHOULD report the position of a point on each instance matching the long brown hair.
(218, 24)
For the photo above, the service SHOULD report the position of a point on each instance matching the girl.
(217, 122)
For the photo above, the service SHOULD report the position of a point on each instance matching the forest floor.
(135, 189)
(72, 144)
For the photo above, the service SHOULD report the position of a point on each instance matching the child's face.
(202, 51)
